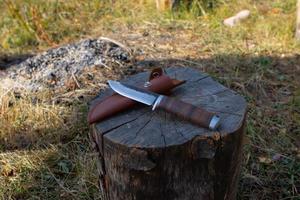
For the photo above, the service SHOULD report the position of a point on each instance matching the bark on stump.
(147, 155)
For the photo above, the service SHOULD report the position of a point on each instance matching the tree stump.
(153, 155)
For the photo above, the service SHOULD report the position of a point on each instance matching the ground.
(46, 152)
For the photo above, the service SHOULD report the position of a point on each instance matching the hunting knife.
(188, 112)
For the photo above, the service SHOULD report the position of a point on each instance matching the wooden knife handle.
(188, 112)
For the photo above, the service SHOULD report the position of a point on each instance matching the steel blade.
(134, 93)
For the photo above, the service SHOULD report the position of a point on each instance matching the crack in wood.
(147, 122)
(127, 122)
(183, 72)
(200, 79)
(213, 94)
(175, 74)
(162, 133)
(178, 132)
(175, 128)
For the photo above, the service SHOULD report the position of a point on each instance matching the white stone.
(232, 21)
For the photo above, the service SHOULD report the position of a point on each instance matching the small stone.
(276, 157)
(145, 34)
(232, 21)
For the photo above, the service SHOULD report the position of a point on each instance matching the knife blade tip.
(111, 82)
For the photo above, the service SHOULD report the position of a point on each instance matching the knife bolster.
(214, 122)
(157, 101)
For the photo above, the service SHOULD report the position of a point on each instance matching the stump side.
(203, 168)
(154, 155)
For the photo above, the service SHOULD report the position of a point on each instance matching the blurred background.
(45, 149)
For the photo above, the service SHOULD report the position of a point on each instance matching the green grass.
(45, 147)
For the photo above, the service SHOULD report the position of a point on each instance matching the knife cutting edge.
(181, 109)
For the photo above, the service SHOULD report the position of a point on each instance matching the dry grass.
(45, 147)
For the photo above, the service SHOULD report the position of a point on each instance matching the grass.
(45, 148)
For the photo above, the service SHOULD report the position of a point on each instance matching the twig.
(60, 184)
(188, 61)
(105, 66)
(270, 151)
(117, 43)
(120, 64)
(75, 79)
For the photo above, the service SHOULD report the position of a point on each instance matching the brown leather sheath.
(116, 103)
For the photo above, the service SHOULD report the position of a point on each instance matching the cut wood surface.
(147, 154)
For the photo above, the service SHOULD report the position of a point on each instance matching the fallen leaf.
(6, 170)
(264, 160)
(276, 157)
